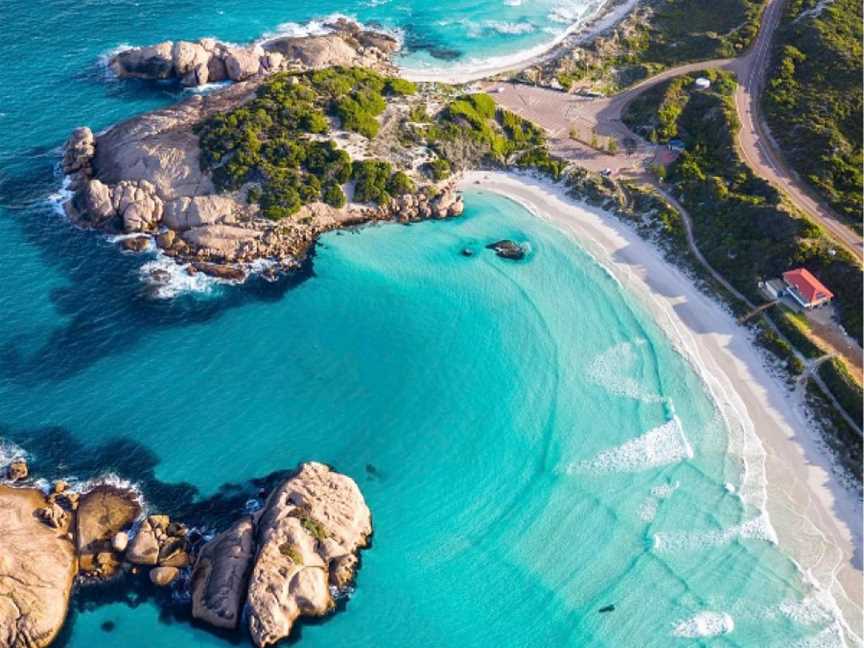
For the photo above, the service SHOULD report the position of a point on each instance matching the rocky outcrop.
(102, 513)
(159, 542)
(37, 569)
(306, 531)
(144, 176)
(221, 574)
(282, 563)
(163, 576)
(208, 61)
(17, 470)
(507, 249)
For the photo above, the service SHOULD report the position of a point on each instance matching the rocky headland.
(152, 180)
(289, 559)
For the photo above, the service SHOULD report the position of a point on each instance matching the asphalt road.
(559, 112)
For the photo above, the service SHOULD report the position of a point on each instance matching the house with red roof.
(806, 289)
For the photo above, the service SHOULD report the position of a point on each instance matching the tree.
(333, 195)
(400, 184)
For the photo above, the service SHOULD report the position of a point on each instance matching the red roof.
(808, 286)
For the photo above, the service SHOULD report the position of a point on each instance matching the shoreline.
(604, 17)
(816, 519)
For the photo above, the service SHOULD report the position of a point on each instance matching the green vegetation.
(292, 552)
(400, 184)
(739, 222)
(663, 34)
(795, 330)
(438, 169)
(813, 101)
(845, 442)
(844, 387)
(314, 527)
(372, 178)
(267, 144)
(473, 131)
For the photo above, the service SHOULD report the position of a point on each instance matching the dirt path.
(560, 112)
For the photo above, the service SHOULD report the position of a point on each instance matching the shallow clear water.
(530, 444)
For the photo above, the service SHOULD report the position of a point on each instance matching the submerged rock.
(37, 568)
(507, 249)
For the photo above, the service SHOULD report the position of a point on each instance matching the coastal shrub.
(333, 195)
(482, 103)
(354, 118)
(400, 184)
(844, 441)
(844, 387)
(438, 169)
(371, 178)
(269, 139)
(739, 220)
(814, 97)
(397, 86)
(795, 331)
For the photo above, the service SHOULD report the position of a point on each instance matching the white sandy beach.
(815, 518)
(465, 72)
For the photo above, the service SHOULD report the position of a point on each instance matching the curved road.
(559, 112)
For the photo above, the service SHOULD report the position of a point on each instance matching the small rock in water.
(135, 243)
(467, 252)
(507, 249)
(163, 576)
(17, 470)
(372, 471)
(608, 608)
(107, 626)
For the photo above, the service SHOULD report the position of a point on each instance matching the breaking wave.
(665, 444)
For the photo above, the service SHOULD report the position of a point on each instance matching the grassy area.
(813, 101)
(844, 387)
(739, 222)
(796, 330)
(269, 143)
(657, 35)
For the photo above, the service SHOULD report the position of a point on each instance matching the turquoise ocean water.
(530, 444)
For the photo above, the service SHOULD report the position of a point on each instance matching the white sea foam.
(610, 368)
(59, 198)
(509, 28)
(169, 279)
(704, 624)
(758, 528)
(322, 26)
(105, 58)
(117, 238)
(830, 637)
(10, 451)
(206, 88)
(665, 444)
(476, 68)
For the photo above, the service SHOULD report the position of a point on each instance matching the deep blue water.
(538, 446)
